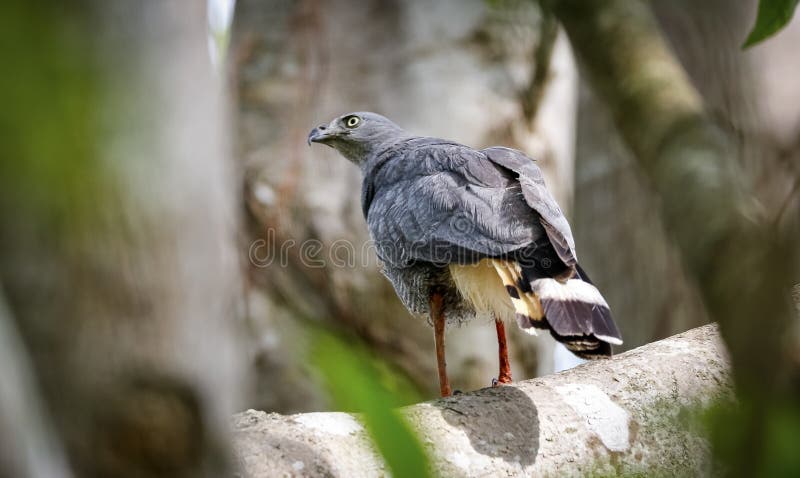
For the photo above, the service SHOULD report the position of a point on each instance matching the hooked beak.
(320, 134)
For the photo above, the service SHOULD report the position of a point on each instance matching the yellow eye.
(352, 121)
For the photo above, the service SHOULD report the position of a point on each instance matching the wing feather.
(539, 198)
(444, 203)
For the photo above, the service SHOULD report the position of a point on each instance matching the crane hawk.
(464, 232)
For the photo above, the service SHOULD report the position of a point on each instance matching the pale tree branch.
(617, 416)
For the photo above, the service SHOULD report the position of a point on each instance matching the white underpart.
(482, 287)
(529, 330)
(603, 417)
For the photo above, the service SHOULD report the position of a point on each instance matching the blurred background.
(171, 249)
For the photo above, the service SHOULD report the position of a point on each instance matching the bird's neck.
(371, 166)
(379, 153)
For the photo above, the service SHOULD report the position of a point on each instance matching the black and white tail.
(573, 310)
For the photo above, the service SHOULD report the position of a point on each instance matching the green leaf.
(357, 385)
(772, 16)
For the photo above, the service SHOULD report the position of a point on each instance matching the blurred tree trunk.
(449, 69)
(30, 447)
(740, 93)
(622, 241)
(117, 228)
(742, 257)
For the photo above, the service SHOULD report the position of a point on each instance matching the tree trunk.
(117, 228)
(30, 446)
(744, 96)
(615, 417)
(623, 243)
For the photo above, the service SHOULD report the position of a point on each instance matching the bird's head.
(356, 135)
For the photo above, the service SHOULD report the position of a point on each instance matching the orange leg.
(437, 316)
(505, 365)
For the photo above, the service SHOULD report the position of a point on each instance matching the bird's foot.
(501, 380)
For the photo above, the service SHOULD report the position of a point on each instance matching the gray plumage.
(431, 203)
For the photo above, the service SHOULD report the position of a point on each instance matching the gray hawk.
(464, 232)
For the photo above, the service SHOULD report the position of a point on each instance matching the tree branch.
(615, 416)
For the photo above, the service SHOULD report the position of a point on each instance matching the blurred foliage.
(357, 385)
(49, 120)
(772, 16)
(775, 442)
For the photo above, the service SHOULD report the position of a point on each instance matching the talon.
(457, 392)
(495, 383)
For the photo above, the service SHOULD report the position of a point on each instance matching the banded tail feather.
(573, 310)
(528, 309)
